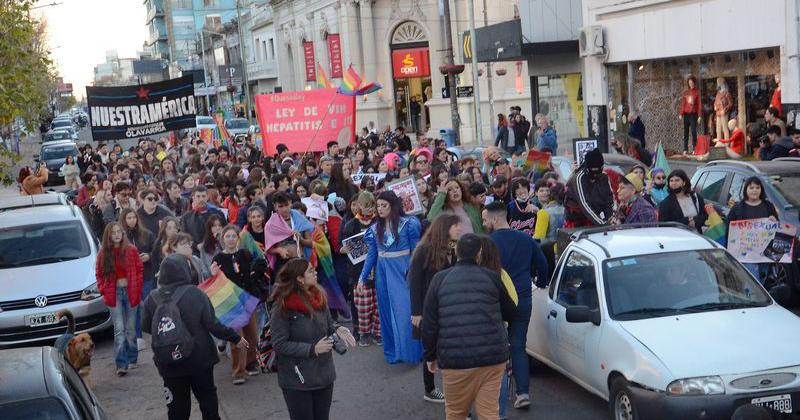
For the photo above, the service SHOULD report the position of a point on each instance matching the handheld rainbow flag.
(207, 135)
(352, 84)
(716, 227)
(322, 259)
(322, 78)
(232, 305)
(537, 162)
(221, 136)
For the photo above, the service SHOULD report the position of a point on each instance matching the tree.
(26, 73)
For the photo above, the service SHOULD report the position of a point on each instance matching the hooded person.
(590, 199)
(659, 190)
(195, 372)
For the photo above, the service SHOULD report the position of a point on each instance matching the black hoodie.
(197, 314)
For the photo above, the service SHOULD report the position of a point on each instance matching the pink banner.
(305, 120)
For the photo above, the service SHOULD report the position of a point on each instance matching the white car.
(237, 126)
(665, 324)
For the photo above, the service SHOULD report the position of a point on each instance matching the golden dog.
(78, 349)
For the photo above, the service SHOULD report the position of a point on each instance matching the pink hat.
(389, 159)
(424, 151)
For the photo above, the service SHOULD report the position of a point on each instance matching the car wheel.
(620, 401)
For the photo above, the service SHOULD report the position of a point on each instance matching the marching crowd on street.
(450, 286)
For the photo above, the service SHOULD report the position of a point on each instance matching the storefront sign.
(461, 92)
(335, 55)
(311, 69)
(125, 112)
(411, 62)
(305, 120)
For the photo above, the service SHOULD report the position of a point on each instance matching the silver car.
(47, 260)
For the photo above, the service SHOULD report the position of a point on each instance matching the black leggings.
(309, 405)
(689, 122)
(427, 378)
(179, 403)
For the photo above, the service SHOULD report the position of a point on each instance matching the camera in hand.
(338, 344)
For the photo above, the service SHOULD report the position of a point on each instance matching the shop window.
(560, 99)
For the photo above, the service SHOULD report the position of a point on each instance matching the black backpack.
(171, 340)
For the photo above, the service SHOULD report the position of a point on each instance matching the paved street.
(366, 388)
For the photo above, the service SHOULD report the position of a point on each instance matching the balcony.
(154, 11)
(156, 36)
(262, 70)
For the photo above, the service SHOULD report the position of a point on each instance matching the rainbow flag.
(322, 259)
(322, 78)
(352, 84)
(207, 135)
(537, 162)
(716, 227)
(232, 305)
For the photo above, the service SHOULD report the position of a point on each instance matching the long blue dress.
(391, 260)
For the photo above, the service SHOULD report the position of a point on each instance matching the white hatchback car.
(665, 324)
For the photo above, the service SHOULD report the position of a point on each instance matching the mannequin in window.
(690, 112)
(723, 103)
(775, 102)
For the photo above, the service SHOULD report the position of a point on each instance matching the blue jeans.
(124, 318)
(518, 337)
(759, 270)
(147, 287)
(503, 394)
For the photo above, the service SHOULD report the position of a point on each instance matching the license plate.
(41, 319)
(782, 403)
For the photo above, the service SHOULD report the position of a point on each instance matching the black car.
(54, 154)
(44, 386)
(720, 183)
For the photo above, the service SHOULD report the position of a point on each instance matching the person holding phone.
(31, 182)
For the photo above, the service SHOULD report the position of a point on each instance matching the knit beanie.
(594, 159)
(635, 181)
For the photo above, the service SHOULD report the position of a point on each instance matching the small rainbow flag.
(352, 84)
(537, 162)
(232, 304)
(716, 227)
(322, 78)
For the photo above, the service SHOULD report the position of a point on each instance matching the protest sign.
(761, 241)
(358, 248)
(406, 190)
(317, 209)
(305, 120)
(126, 112)
(582, 146)
(357, 178)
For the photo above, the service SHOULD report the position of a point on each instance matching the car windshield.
(23, 245)
(205, 120)
(36, 409)
(789, 187)
(60, 152)
(57, 135)
(237, 124)
(61, 123)
(649, 286)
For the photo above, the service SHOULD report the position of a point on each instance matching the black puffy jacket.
(462, 322)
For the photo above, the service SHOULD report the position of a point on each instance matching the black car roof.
(22, 374)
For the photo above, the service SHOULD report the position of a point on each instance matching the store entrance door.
(412, 87)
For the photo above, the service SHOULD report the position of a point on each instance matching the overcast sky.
(80, 32)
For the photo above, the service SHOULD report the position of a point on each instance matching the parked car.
(56, 136)
(44, 386)
(61, 123)
(664, 324)
(204, 122)
(69, 130)
(720, 183)
(54, 155)
(237, 126)
(47, 259)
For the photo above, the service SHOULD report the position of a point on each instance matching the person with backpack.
(180, 319)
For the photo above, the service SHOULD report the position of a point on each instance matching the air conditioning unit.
(591, 42)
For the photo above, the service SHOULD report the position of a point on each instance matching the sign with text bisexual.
(306, 120)
(125, 112)
(761, 241)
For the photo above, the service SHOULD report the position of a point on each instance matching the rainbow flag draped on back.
(322, 259)
(716, 227)
(232, 305)
(352, 84)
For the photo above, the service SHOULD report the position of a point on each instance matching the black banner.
(124, 112)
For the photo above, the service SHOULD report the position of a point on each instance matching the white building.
(378, 37)
(642, 52)
(261, 49)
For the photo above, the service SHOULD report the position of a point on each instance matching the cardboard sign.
(357, 178)
(305, 120)
(406, 190)
(761, 241)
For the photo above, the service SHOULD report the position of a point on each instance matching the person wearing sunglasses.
(151, 212)
(658, 187)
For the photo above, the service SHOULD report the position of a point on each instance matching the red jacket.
(133, 273)
(690, 102)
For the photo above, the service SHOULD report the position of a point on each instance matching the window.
(213, 23)
(272, 48)
(711, 186)
(21, 246)
(735, 190)
(77, 390)
(183, 25)
(37, 409)
(578, 285)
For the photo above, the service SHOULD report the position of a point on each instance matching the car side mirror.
(580, 314)
(781, 294)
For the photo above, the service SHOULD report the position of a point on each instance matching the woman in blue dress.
(391, 241)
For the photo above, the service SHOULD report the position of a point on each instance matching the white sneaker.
(141, 344)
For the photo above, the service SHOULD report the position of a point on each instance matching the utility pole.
(451, 77)
(475, 81)
(489, 76)
(205, 73)
(246, 82)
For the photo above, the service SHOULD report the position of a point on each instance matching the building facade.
(400, 44)
(644, 52)
(157, 41)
